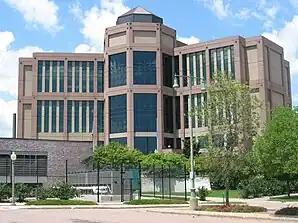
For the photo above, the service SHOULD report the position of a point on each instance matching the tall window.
(122, 141)
(77, 76)
(212, 70)
(117, 70)
(118, 116)
(61, 116)
(69, 76)
(100, 76)
(100, 116)
(91, 76)
(91, 116)
(226, 59)
(168, 113)
(69, 116)
(46, 115)
(84, 116)
(178, 119)
(218, 59)
(54, 76)
(47, 76)
(39, 76)
(185, 104)
(184, 67)
(232, 60)
(84, 76)
(167, 70)
(39, 115)
(144, 68)
(54, 115)
(61, 76)
(146, 145)
(77, 116)
(145, 112)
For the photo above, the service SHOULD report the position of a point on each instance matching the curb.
(228, 215)
(89, 207)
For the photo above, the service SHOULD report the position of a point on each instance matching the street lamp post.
(13, 158)
(193, 202)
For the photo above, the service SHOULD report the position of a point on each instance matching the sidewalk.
(257, 216)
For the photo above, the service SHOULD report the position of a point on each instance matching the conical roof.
(139, 14)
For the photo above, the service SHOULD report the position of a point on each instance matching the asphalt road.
(105, 216)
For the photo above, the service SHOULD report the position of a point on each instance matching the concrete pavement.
(108, 216)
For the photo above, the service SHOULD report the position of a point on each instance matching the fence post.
(98, 182)
(170, 181)
(66, 171)
(140, 181)
(153, 179)
(162, 183)
(185, 183)
(121, 183)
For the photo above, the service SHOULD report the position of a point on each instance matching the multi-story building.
(125, 94)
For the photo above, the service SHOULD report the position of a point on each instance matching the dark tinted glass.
(144, 68)
(117, 70)
(117, 110)
(168, 114)
(146, 145)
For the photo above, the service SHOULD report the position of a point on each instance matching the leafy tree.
(22, 192)
(115, 155)
(277, 149)
(196, 147)
(233, 121)
(5, 191)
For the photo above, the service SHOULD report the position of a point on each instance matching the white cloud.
(243, 14)
(220, 8)
(295, 99)
(96, 20)
(38, 12)
(9, 107)
(287, 38)
(84, 48)
(189, 40)
(294, 3)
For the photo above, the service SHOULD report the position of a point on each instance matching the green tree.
(116, 154)
(232, 115)
(277, 148)
(196, 147)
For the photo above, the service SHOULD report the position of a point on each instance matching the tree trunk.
(227, 192)
(288, 188)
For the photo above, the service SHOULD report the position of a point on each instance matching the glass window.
(61, 116)
(77, 115)
(91, 112)
(146, 145)
(47, 76)
(39, 115)
(212, 53)
(39, 76)
(218, 59)
(168, 143)
(91, 76)
(191, 70)
(118, 116)
(184, 67)
(100, 76)
(61, 76)
(177, 104)
(204, 67)
(144, 68)
(205, 101)
(178, 143)
(117, 70)
(168, 113)
(167, 70)
(54, 115)
(176, 65)
(100, 116)
(69, 76)
(185, 99)
(84, 76)
(46, 115)
(54, 76)
(84, 116)
(198, 67)
(77, 76)
(69, 116)
(122, 141)
(226, 60)
(145, 112)
(232, 61)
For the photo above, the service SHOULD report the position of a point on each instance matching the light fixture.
(13, 156)
(176, 83)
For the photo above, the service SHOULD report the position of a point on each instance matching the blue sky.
(28, 26)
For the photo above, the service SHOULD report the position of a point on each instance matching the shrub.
(202, 193)
(258, 186)
(64, 191)
(154, 201)
(5, 192)
(291, 211)
(232, 208)
(21, 192)
(60, 202)
(43, 193)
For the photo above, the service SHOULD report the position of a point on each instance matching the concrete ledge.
(256, 216)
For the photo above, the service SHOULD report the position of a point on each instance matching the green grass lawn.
(60, 202)
(214, 193)
(285, 199)
(154, 201)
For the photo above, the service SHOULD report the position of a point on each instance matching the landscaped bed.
(232, 208)
(288, 211)
(154, 201)
(60, 202)
(285, 199)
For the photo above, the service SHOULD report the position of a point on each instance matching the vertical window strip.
(191, 69)
(54, 115)
(91, 76)
(226, 60)
(204, 66)
(185, 100)
(84, 76)
(100, 116)
(54, 76)
(77, 116)
(39, 116)
(46, 116)
(218, 59)
(84, 116)
(205, 101)
(198, 68)
(199, 107)
(77, 76)
(91, 110)
(61, 116)
(61, 76)
(100, 76)
(47, 76)
(69, 116)
(69, 76)
(39, 76)
(184, 67)
(212, 52)
(232, 61)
